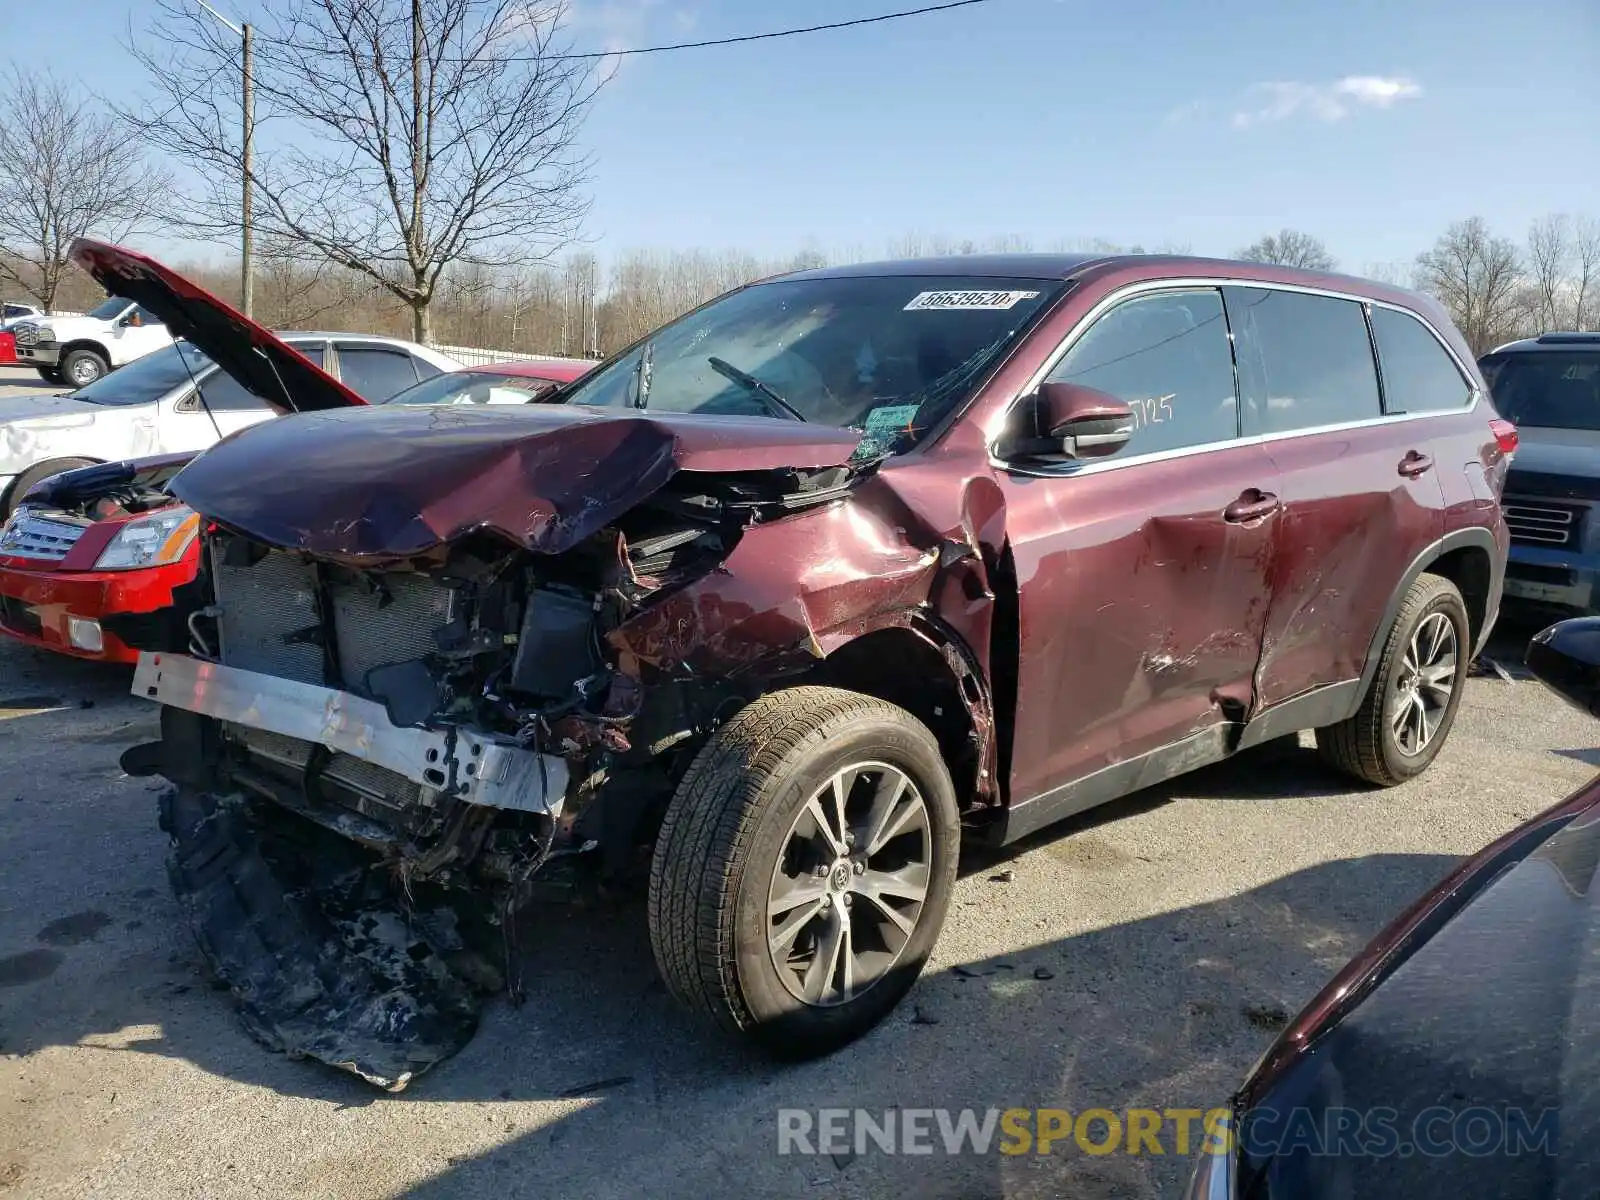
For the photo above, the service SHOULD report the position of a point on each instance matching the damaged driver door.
(1143, 577)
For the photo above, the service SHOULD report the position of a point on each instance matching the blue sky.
(1370, 124)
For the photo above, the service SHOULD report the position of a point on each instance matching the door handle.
(1252, 505)
(1414, 464)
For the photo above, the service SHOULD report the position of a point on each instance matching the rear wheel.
(804, 868)
(1411, 705)
(80, 368)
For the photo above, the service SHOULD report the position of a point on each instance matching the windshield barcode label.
(986, 300)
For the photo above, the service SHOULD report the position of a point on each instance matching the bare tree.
(1586, 268)
(1549, 260)
(1478, 277)
(66, 170)
(399, 139)
(1289, 248)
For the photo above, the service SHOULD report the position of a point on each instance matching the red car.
(105, 546)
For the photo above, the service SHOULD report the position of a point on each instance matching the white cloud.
(1326, 102)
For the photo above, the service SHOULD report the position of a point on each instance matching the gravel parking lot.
(1144, 955)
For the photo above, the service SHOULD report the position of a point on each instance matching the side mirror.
(1067, 420)
(1566, 659)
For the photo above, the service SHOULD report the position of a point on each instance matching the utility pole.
(247, 228)
(247, 106)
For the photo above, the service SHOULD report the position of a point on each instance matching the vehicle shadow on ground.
(1164, 1012)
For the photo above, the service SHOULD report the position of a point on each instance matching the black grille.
(1535, 523)
(19, 618)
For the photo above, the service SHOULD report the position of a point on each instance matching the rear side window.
(1418, 373)
(224, 393)
(374, 373)
(1304, 360)
(1167, 357)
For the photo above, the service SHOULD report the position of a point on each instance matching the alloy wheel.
(850, 884)
(1426, 683)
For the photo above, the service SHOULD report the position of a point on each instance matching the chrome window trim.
(1193, 283)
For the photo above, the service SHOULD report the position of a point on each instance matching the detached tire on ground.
(804, 868)
(82, 367)
(50, 374)
(1410, 707)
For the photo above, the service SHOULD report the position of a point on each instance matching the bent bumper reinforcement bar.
(458, 762)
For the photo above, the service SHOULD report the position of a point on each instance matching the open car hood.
(270, 368)
(398, 480)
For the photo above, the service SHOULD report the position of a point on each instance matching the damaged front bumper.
(457, 762)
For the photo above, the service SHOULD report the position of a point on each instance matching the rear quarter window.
(1304, 360)
(1418, 373)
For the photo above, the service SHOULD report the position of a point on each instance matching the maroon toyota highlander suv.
(778, 602)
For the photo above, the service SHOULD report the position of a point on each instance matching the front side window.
(148, 378)
(1304, 360)
(1167, 357)
(888, 355)
(1418, 373)
(473, 387)
(375, 374)
(1546, 389)
(145, 316)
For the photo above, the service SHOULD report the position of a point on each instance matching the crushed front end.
(378, 758)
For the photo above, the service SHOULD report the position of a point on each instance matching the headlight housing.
(45, 333)
(151, 540)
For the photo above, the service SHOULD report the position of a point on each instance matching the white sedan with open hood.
(178, 400)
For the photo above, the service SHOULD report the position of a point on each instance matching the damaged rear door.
(1143, 578)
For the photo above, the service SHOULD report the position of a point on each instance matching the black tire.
(733, 817)
(49, 374)
(25, 481)
(82, 367)
(1367, 745)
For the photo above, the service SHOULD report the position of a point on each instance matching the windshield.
(108, 308)
(473, 387)
(1546, 389)
(145, 380)
(888, 355)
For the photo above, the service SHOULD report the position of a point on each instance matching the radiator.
(271, 620)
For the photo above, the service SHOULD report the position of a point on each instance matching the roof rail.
(1562, 339)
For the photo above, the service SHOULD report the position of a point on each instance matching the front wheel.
(80, 368)
(1410, 707)
(804, 868)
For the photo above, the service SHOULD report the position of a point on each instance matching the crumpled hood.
(396, 481)
(269, 367)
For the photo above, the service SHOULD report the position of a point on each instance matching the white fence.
(476, 356)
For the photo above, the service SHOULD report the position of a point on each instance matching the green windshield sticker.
(885, 423)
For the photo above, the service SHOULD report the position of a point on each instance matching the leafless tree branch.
(66, 170)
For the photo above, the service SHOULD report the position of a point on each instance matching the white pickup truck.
(78, 350)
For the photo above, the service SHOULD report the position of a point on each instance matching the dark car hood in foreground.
(269, 367)
(1485, 998)
(396, 481)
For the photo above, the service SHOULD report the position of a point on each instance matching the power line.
(724, 41)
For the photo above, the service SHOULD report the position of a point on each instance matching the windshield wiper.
(745, 379)
(642, 373)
